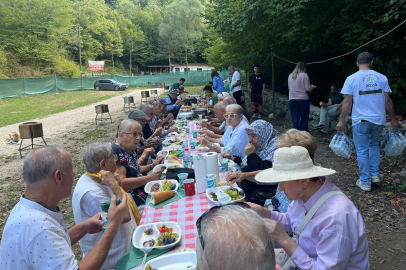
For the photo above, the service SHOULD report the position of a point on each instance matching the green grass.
(19, 109)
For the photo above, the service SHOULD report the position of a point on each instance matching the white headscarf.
(267, 137)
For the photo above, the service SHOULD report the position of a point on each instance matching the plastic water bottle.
(341, 145)
(393, 143)
(186, 159)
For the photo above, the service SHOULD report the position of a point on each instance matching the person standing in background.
(256, 87)
(218, 85)
(370, 92)
(236, 86)
(299, 102)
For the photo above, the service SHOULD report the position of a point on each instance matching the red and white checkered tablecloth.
(185, 212)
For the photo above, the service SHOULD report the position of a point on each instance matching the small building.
(156, 69)
(192, 67)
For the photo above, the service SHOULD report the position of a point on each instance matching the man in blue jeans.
(370, 93)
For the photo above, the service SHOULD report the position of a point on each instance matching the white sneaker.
(254, 116)
(259, 116)
(375, 179)
(362, 186)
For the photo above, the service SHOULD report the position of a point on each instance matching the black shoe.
(319, 126)
(323, 132)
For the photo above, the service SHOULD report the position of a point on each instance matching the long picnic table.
(185, 212)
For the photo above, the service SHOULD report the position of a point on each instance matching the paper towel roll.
(212, 164)
(200, 175)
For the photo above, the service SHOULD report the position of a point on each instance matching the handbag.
(283, 259)
(260, 196)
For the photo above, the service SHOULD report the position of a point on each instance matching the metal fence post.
(56, 84)
(25, 86)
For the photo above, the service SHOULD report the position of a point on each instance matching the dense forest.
(41, 37)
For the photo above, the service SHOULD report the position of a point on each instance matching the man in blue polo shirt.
(370, 93)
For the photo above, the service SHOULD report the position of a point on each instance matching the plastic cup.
(200, 116)
(193, 144)
(194, 133)
(224, 164)
(182, 177)
(190, 187)
(187, 130)
(210, 178)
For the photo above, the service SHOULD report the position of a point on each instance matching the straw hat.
(291, 163)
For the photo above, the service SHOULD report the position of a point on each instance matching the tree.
(183, 22)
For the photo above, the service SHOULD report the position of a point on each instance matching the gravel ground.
(56, 125)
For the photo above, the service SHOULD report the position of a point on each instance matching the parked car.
(109, 85)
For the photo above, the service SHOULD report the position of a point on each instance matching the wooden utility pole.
(80, 50)
(273, 87)
(112, 59)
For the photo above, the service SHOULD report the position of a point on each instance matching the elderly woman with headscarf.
(96, 187)
(328, 230)
(259, 156)
(235, 138)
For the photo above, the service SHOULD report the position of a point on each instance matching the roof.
(192, 65)
(158, 66)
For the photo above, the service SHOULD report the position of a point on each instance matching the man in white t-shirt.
(35, 235)
(236, 86)
(370, 93)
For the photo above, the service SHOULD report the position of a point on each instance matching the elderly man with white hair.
(35, 235)
(92, 190)
(235, 138)
(231, 100)
(233, 237)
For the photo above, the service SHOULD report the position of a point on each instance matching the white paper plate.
(149, 185)
(216, 189)
(140, 237)
(204, 148)
(159, 166)
(167, 142)
(176, 261)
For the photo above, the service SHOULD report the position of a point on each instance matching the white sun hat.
(291, 163)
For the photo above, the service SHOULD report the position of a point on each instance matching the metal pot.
(30, 130)
(102, 108)
(199, 110)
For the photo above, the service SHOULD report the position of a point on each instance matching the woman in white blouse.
(235, 138)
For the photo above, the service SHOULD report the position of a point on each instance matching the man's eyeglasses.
(231, 115)
(213, 210)
(134, 134)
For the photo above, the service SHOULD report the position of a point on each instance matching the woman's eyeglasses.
(213, 210)
(134, 134)
(231, 115)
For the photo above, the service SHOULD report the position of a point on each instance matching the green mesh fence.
(53, 84)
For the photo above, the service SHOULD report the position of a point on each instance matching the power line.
(319, 62)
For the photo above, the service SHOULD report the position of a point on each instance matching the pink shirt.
(299, 87)
(334, 238)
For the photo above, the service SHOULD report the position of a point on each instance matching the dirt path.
(56, 126)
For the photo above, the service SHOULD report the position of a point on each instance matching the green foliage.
(182, 27)
(40, 37)
(310, 30)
